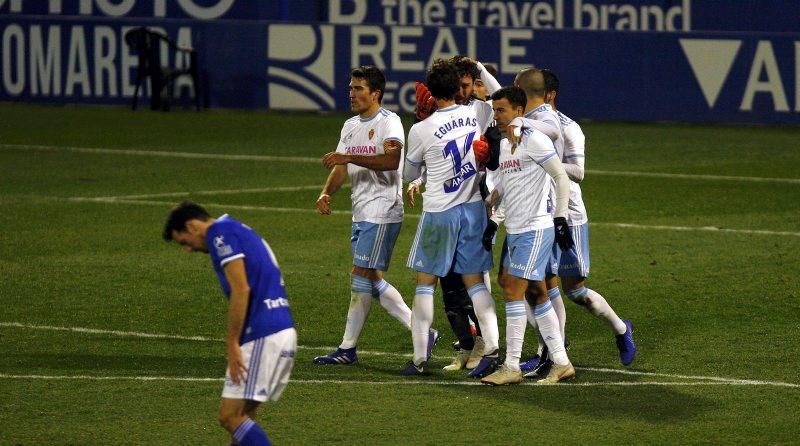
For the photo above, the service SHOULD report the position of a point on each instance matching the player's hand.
(513, 134)
(488, 235)
(563, 236)
(481, 149)
(324, 204)
(236, 365)
(332, 159)
(413, 189)
(426, 104)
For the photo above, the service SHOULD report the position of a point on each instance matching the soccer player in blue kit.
(261, 340)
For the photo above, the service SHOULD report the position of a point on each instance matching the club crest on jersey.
(371, 133)
(222, 248)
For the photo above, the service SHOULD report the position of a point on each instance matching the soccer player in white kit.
(450, 228)
(572, 266)
(370, 151)
(527, 163)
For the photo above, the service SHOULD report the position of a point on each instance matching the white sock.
(421, 320)
(561, 311)
(487, 280)
(515, 332)
(393, 302)
(483, 304)
(598, 306)
(360, 304)
(532, 322)
(548, 326)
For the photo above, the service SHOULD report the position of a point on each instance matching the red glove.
(481, 149)
(426, 104)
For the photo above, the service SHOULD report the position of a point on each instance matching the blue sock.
(250, 434)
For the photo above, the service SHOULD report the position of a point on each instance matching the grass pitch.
(695, 236)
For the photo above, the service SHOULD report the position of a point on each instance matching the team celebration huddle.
(484, 155)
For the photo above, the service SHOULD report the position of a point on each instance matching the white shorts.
(269, 363)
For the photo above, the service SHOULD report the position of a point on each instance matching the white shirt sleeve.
(489, 81)
(393, 130)
(414, 155)
(485, 115)
(555, 169)
(574, 149)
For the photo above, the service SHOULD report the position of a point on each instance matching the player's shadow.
(653, 403)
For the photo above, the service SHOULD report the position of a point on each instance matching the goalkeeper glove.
(426, 104)
(488, 235)
(563, 236)
(481, 149)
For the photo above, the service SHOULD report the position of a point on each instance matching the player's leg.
(514, 296)
(457, 307)
(471, 260)
(234, 417)
(431, 256)
(573, 270)
(383, 237)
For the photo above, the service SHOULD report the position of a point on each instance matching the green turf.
(705, 304)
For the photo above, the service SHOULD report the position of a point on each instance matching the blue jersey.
(268, 309)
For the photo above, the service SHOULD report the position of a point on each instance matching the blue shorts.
(528, 253)
(451, 239)
(575, 262)
(372, 244)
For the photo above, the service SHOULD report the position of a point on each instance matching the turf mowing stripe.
(339, 212)
(691, 176)
(306, 159)
(378, 353)
(395, 383)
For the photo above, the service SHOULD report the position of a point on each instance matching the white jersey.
(483, 111)
(524, 184)
(443, 144)
(377, 195)
(574, 146)
(546, 114)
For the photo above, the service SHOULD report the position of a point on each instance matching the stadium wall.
(683, 60)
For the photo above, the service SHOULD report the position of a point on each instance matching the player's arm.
(389, 160)
(414, 187)
(488, 80)
(574, 149)
(547, 127)
(334, 182)
(412, 168)
(237, 312)
(555, 169)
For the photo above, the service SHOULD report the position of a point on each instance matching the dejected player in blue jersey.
(261, 340)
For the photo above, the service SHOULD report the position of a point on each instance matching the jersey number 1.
(460, 172)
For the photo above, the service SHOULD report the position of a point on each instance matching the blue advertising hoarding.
(79, 55)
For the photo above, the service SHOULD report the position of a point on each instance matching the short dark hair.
(515, 96)
(374, 77)
(180, 214)
(466, 66)
(442, 79)
(550, 81)
(491, 69)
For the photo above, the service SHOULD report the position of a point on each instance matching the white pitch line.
(713, 379)
(305, 159)
(156, 153)
(395, 383)
(339, 212)
(210, 192)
